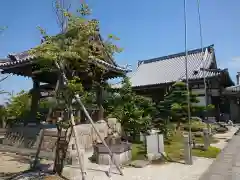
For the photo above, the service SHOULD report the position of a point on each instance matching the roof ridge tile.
(171, 56)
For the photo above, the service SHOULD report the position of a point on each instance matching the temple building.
(154, 77)
(232, 94)
(44, 82)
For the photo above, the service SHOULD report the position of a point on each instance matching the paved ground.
(227, 164)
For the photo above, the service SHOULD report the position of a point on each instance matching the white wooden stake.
(80, 151)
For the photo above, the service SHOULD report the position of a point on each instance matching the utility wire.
(187, 83)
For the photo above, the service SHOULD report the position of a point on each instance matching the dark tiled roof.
(25, 57)
(171, 68)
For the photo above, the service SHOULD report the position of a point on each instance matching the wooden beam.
(37, 72)
(35, 101)
(100, 103)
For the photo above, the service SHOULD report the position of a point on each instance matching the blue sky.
(147, 29)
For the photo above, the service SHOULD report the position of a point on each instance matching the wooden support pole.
(80, 150)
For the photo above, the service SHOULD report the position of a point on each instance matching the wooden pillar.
(100, 102)
(35, 101)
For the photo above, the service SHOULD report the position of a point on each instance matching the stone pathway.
(227, 164)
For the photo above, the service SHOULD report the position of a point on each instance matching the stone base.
(152, 157)
(122, 153)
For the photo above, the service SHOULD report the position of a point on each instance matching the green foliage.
(76, 46)
(211, 152)
(175, 104)
(196, 125)
(3, 115)
(76, 50)
(138, 152)
(19, 106)
(89, 99)
(210, 107)
(175, 150)
(133, 111)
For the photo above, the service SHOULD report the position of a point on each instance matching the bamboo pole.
(80, 151)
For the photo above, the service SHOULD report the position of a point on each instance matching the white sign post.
(155, 146)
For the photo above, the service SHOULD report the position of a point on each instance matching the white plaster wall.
(198, 91)
(234, 111)
(202, 101)
(201, 98)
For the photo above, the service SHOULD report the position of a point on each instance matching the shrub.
(196, 126)
(211, 152)
(198, 134)
(193, 129)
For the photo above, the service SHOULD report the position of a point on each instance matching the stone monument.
(121, 150)
(155, 146)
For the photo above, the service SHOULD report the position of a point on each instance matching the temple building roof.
(23, 64)
(27, 64)
(18, 59)
(171, 68)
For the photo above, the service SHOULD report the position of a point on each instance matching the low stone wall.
(22, 137)
(28, 137)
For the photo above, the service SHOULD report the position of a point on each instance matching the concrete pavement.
(227, 164)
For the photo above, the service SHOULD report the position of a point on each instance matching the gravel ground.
(171, 171)
(12, 164)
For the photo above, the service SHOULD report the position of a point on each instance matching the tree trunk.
(57, 163)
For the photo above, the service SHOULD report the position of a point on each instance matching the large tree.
(74, 50)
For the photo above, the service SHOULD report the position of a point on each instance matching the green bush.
(193, 129)
(211, 152)
(196, 126)
(138, 152)
(198, 134)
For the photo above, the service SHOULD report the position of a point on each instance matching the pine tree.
(175, 105)
(133, 111)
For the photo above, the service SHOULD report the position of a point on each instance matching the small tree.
(133, 111)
